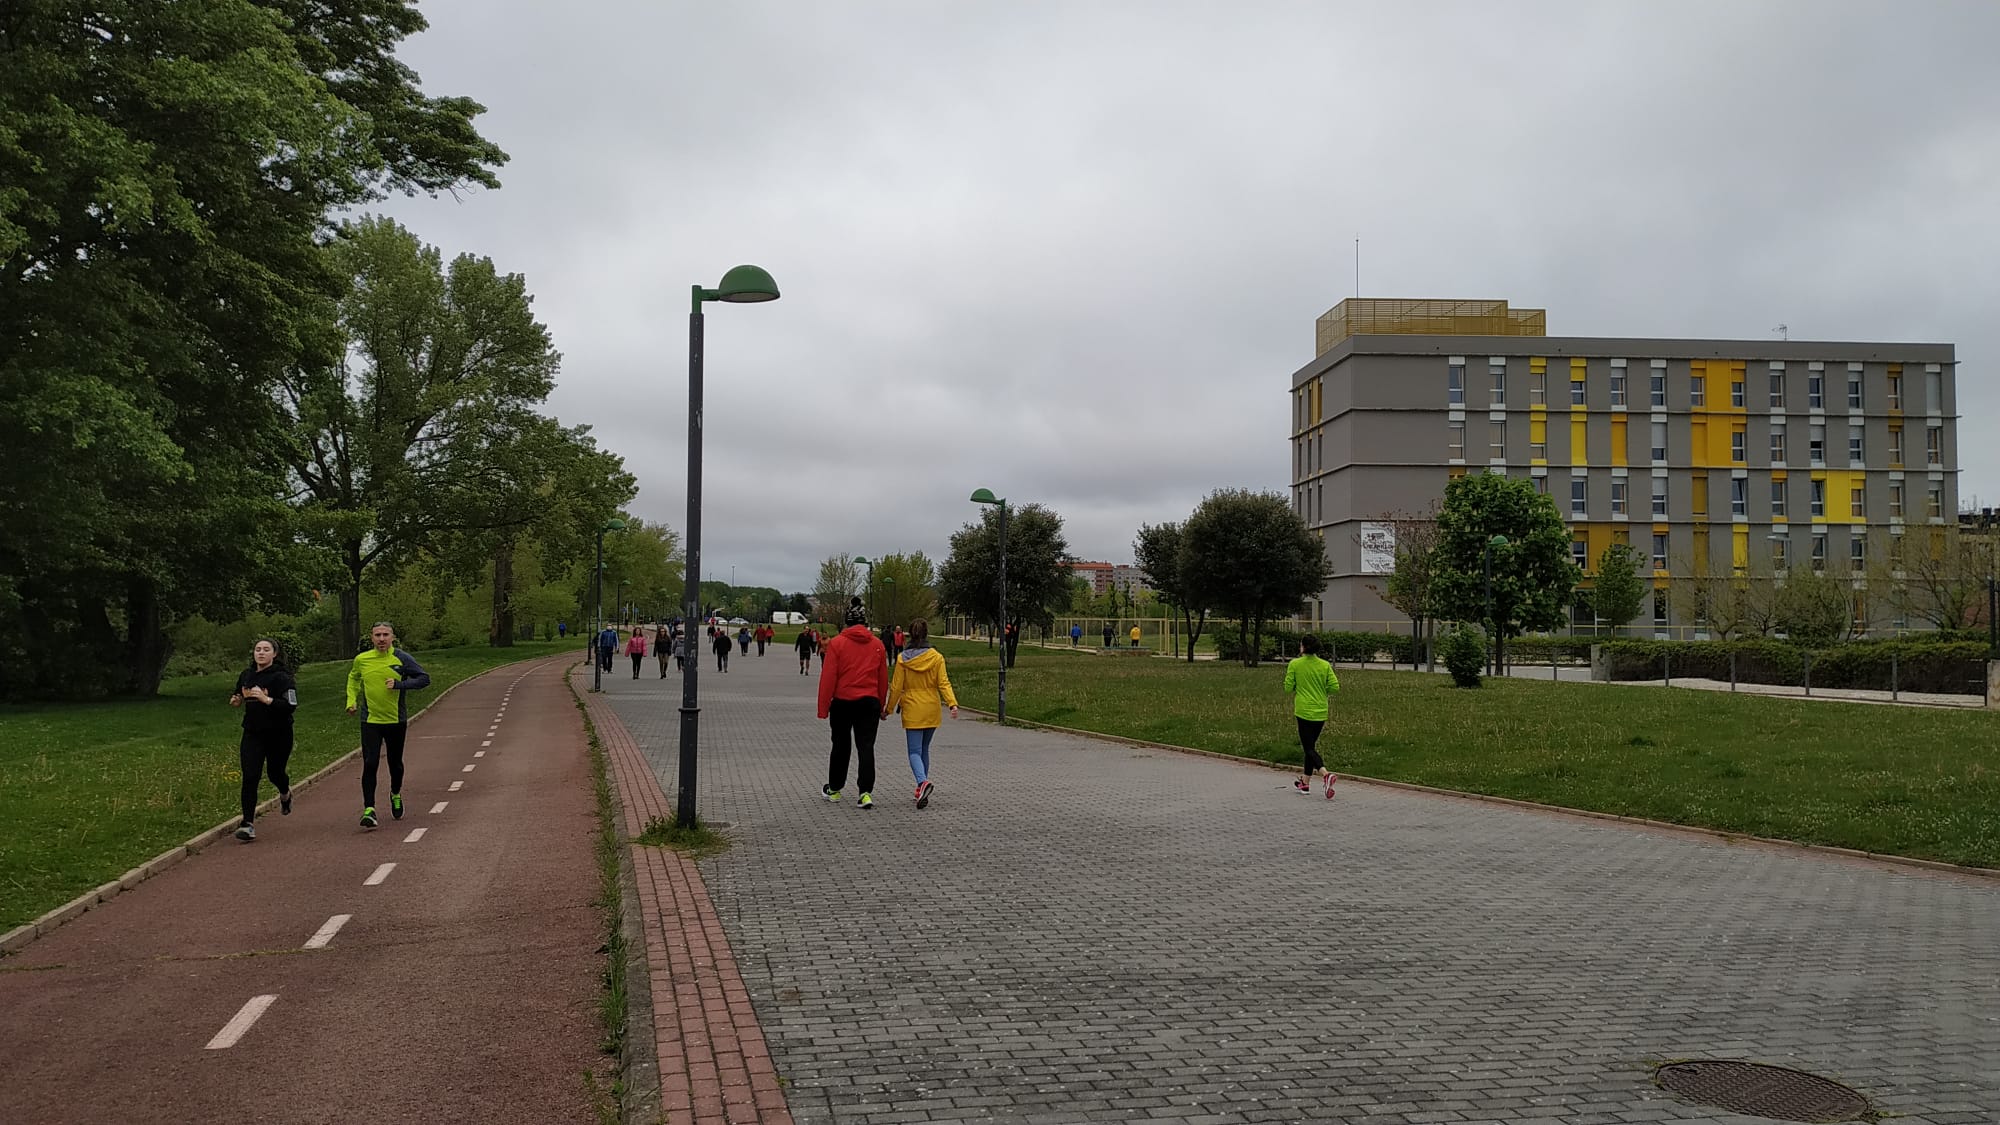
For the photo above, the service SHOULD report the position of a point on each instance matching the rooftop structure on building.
(1712, 458)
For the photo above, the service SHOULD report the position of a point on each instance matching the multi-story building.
(1709, 457)
(1105, 577)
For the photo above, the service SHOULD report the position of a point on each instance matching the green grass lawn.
(93, 790)
(1898, 780)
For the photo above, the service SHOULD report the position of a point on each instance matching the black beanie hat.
(855, 614)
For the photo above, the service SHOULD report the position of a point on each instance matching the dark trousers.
(638, 658)
(760, 646)
(663, 664)
(260, 752)
(604, 658)
(853, 720)
(374, 738)
(1309, 742)
(722, 660)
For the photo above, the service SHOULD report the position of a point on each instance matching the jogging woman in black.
(268, 697)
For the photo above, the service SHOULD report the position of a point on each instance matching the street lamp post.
(1989, 526)
(1486, 553)
(741, 285)
(985, 496)
(596, 659)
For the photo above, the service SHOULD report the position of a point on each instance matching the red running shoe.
(1329, 786)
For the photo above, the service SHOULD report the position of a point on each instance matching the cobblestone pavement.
(1078, 930)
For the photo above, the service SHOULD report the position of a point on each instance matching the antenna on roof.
(1357, 266)
(1784, 331)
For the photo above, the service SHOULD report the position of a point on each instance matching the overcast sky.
(1072, 252)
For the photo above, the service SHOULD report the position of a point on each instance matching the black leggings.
(853, 720)
(260, 752)
(375, 736)
(638, 659)
(1309, 741)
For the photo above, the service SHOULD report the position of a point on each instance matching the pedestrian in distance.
(1107, 634)
(680, 651)
(268, 697)
(900, 637)
(806, 644)
(1075, 634)
(1310, 680)
(1135, 636)
(743, 638)
(607, 643)
(663, 643)
(762, 636)
(819, 647)
(721, 647)
(636, 649)
(921, 690)
(562, 630)
(378, 685)
(853, 681)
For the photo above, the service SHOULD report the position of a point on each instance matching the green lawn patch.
(1897, 780)
(698, 842)
(96, 789)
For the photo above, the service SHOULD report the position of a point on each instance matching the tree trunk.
(146, 644)
(350, 599)
(502, 634)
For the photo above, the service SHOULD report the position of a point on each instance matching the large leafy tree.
(839, 580)
(1038, 573)
(1533, 577)
(1157, 550)
(905, 588)
(1250, 556)
(166, 171)
(400, 435)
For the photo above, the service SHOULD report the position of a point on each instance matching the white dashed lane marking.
(479, 753)
(325, 933)
(488, 742)
(240, 1023)
(439, 807)
(467, 769)
(455, 786)
(381, 873)
(415, 835)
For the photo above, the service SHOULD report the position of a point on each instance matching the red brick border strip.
(715, 1068)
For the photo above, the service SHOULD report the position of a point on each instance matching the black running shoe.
(285, 802)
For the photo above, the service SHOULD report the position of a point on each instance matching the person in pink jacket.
(636, 649)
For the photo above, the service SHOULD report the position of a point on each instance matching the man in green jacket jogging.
(1310, 680)
(376, 682)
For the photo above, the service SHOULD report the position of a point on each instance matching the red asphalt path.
(462, 989)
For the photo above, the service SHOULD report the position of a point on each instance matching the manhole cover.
(1764, 1091)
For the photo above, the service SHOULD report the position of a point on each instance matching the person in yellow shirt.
(377, 683)
(1310, 680)
(922, 689)
(1135, 636)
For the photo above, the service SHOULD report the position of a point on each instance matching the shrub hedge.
(1945, 667)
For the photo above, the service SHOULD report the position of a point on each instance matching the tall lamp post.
(985, 496)
(740, 286)
(597, 659)
(1486, 553)
(1989, 526)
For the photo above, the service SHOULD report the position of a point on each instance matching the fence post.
(1732, 669)
(1893, 679)
(1808, 674)
(1553, 676)
(1667, 668)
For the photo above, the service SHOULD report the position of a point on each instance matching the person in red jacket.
(853, 681)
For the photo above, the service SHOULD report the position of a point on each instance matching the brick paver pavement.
(1084, 931)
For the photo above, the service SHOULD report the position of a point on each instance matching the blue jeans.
(919, 742)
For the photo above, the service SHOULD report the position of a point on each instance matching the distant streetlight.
(741, 285)
(985, 496)
(596, 660)
(1492, 627)
(1989, 526)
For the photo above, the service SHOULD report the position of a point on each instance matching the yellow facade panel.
(1618, 439)
(1579, 436)
(1739, 548)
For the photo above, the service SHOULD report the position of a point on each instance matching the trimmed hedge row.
(1944, 667)
(1280, 643)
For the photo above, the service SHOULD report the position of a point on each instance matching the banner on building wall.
(1378, 548)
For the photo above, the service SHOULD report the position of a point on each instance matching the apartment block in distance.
(1709, 457)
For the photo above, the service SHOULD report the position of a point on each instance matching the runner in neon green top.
(376, 682)
(1310, 680)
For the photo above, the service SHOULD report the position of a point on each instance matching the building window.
(1454, 385)
(1818, 553)
(1659, 496)
(1456, 430)
(1778, 446)
(1857, 554)
(1895, 391)
(1576, 392)
(1542, 485)
(1660, 602)
(1778, 552)
(1497, 437)
(1934, 502)
(1736, 393)
(1659, 550)
(1777, 499)
(1934, 444)
(1854, 390)
(1816, 445)
(1737, 441)
(1539, 450)
(1777, 390)
(1538, 388)
(1657, 387)
(1659, 442)
(1819, 498)
(1739, 497)
(1499, 373)
(1856, 449)
(1857, 500)
(1895, 499)
(1934, 391)
(1617, 497)
(1697, 390)
(1816, 391)
(1896, 446)
(1579, 553)
(1579, 496)
(1617, 386)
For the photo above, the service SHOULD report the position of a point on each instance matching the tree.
(1157, 550)
(1814, 608)
(905, 588)
(839, 579)
(1618, 592)
(645, 561)
(1249, 555)
(1533, 577)
(1037, 571)
(1940, 579)
(168, 170)
(399, 434)
(1411, 588)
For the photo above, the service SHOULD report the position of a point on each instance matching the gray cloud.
(1071, 252)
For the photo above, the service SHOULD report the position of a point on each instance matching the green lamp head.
(746, 285)
(1498, 541)
(985, 496)
(614, 524)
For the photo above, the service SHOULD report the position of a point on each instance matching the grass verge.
(698, 842)
(611, 1006)
(1896, 780)
(96, 789)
